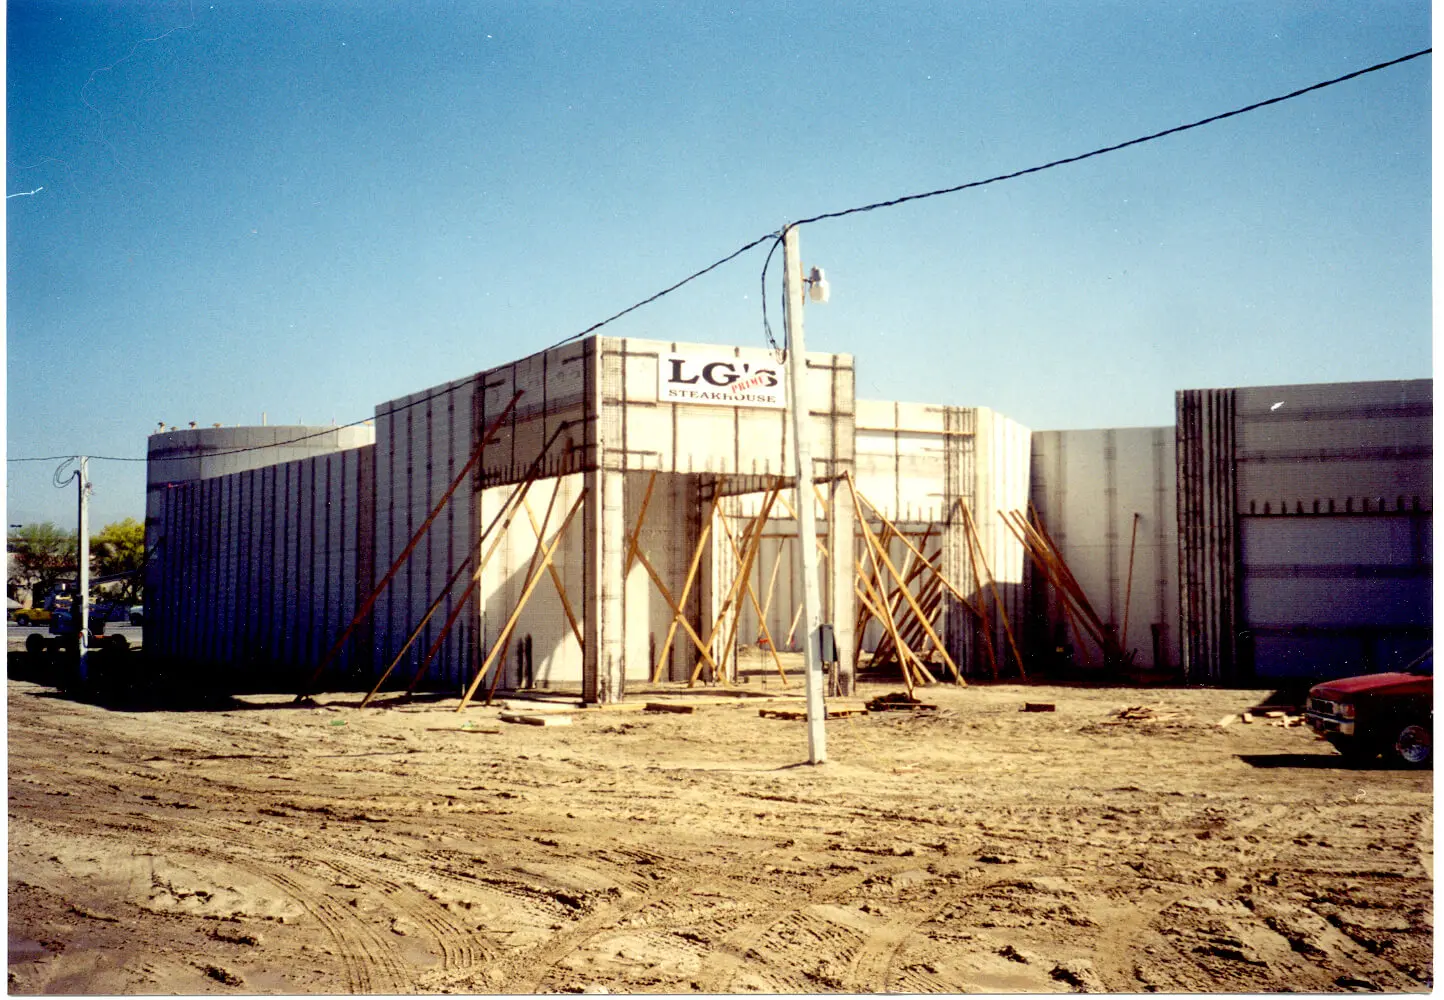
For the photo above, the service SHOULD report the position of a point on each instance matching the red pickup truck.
(1390, 713)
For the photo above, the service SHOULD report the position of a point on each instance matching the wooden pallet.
(787, 713)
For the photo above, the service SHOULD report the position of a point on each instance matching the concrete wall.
(916, 462)
(177, 457)
(259, 571)
(424, 442)
(1091, 487)
(1306, 528)
(1335, 508)
(591, 420)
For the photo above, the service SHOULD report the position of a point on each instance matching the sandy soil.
(259, 847)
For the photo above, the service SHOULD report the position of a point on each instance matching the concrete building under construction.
(616, 511)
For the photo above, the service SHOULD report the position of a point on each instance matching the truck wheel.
(1414, 745)
(119, 643)
(35, 643)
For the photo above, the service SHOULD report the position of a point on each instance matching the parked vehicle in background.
(1372, 714)
(31, 616)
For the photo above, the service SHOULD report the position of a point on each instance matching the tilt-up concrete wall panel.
(256, 572)
(1306, 528)
(1090, 486)
(424, 443)
(916, 462)
(1335, 513)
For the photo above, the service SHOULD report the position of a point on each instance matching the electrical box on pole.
(806, 515)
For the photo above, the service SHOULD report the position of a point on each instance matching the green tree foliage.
(43, 554)
(120, 548)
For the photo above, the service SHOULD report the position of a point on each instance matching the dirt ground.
(1124, 842)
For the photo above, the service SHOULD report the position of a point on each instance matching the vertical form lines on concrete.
(1207, 537)
(1160, 582)
(604, 530)
(404, 558)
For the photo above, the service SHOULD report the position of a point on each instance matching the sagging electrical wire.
(892, 202)
(889, 203)
(781, 352)
(666, 291)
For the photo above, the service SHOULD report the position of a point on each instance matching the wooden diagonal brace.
(505, 633)
(371, 598)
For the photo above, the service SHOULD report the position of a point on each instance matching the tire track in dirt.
(723, 963)
(361, 950)
(530, 971)
(460, 948)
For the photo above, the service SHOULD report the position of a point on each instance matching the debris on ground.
(898, 701)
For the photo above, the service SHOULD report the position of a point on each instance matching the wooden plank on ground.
(534, 719)
(794, 714)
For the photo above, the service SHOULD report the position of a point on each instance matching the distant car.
(1389, 713)
(137, 615)
(31, 616)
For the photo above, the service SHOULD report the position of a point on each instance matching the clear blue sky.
(307, 208)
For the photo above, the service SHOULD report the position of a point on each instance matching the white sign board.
(718, 379)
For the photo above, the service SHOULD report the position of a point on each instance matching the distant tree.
(43, 554)
(120, 548)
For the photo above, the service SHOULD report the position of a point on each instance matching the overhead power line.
(1211, 119)
(888, 203)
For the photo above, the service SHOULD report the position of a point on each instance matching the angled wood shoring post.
(911, 570)
(987, 623)
(796, 617)
(734, 589)
(534, 567)
(1128, 592)
(703, 649)
(538, 529)
(931, 563)
(678, 607)
(1057, 556)
(907, 659)
(876, 612)
(929, 597)
(910, 631)
(754, 542)
(376, 591)
(993, 587)
(461, 603)
(752, 595)
(436, 603)
(772, 579)
(1074, 603)
(641, 516)
(907, 594)
(521, 603)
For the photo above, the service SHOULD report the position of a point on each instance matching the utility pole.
(806, 515)
(80, 610)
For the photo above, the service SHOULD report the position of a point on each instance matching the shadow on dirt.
(123, 682)
(1319, 761)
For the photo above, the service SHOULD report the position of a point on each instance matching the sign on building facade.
(719, 379)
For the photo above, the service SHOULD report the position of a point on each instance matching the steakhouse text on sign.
(720, 380)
